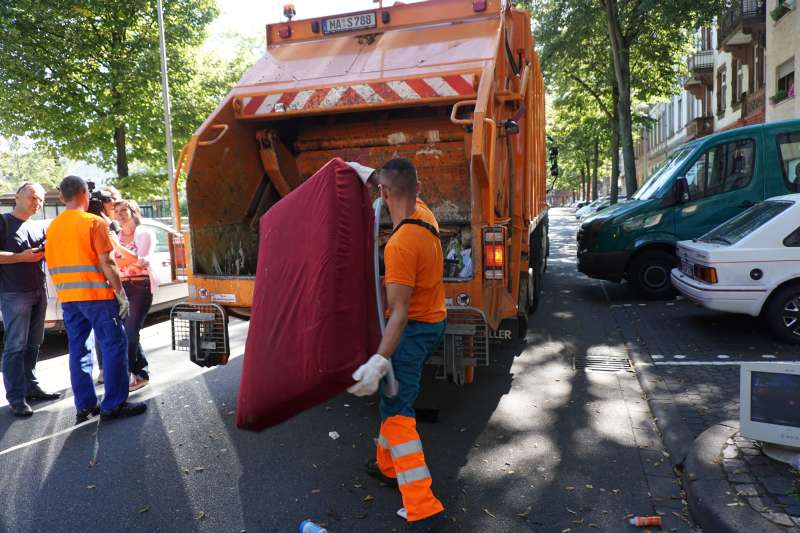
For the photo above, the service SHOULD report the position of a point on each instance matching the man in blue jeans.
(23, 298)
(79, 259)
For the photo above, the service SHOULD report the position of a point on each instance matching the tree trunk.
(595, 167)
(584, 191)
(614, 124)
(122, 154)
(620, 53)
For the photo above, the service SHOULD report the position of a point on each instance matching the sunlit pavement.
(533, 444)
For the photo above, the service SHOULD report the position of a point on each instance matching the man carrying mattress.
(415, 299)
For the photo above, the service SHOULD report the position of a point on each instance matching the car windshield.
(745, 223)
(655, 186)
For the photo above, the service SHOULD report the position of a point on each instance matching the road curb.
(708, 491)
(675, 432)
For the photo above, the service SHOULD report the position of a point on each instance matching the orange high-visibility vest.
(71, 260)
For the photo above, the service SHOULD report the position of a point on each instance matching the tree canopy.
(82, 77)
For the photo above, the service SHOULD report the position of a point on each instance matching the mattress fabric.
(314, 317)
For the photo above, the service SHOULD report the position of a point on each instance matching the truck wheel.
(649, 273)
(782, 313)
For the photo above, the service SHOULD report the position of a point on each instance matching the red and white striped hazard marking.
(362, 93)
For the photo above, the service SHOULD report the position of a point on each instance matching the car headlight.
(642, 222)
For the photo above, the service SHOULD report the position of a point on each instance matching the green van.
(703, 183)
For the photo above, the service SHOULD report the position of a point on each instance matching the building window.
(759, 66)
(722, 90)
(671, 115)
(680, 111)
(786, 78)
(737, 81)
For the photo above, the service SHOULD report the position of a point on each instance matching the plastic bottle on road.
(307, 526)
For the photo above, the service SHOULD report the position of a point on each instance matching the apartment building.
(783, 60)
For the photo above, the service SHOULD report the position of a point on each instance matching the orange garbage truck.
(452, 85)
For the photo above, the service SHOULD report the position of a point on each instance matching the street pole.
(167, 115)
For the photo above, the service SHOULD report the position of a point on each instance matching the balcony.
(744, 21)
(701, 70)
(699, 127)
(753, 106)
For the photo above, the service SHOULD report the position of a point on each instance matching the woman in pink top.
(133, 259)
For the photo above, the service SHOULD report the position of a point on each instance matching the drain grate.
(601, 363)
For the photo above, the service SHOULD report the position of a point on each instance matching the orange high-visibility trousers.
(399, 455)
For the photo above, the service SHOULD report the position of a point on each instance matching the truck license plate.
(687, 268)
(349, 23)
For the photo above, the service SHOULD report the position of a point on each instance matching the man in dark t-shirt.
(23, 299)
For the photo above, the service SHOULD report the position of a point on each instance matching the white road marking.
(715, 363)
(657, 356)
(723, 357)
(679, 356)
(768, 356)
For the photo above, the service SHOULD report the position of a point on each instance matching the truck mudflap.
(465, 345)
(201, 330)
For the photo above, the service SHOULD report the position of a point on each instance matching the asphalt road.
(532, 445)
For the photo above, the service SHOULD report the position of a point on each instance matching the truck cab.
(702, 184)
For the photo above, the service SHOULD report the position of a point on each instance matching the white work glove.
(369, 375)
(124, 304)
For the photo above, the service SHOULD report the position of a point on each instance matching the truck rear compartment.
(252, 176)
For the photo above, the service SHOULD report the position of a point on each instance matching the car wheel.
(783, 313)
(650, 272)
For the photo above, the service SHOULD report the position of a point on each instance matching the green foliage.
(574, 42)
(75, 72)
(20, 163)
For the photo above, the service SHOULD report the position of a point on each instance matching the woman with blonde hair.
(133, 260)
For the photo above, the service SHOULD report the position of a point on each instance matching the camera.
(97, 198)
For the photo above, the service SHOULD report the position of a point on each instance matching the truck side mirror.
(681, 190)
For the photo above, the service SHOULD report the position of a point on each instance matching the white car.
(168, 294)
(749, 265)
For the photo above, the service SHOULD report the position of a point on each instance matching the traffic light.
(553, 161)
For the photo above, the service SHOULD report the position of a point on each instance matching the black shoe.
(373, 471)
(83, 415)
(38, 395)
(22, 410)
(125, 409)
(435, 523)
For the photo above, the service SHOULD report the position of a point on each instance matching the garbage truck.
(454, 86)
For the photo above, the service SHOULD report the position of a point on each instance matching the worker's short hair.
(26, 184)
(400, 176)
(72, 186)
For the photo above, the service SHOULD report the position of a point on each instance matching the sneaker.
(123, 410)
(22, 410)
(373, 471)
(100, 379)
(137, 383)
(83, 414)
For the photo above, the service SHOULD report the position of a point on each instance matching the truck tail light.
(494, 252)
(704, 273)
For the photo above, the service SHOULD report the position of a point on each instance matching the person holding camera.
(101, 203)
(23, 298)
(139, 284)
(78, 255)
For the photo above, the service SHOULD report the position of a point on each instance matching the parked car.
(597, 206)
(702, 184)
(169, 292)
(749, 265)
(586, 209)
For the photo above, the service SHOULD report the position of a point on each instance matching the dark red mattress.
(314, 318)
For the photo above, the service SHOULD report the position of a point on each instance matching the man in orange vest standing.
(78, 255)
(415, 299)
